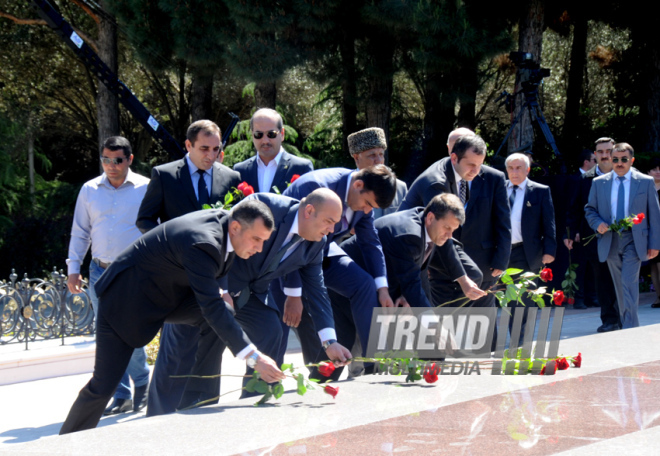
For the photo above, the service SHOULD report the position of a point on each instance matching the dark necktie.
(285, 248)
(463, 191)
(512, 197)
(344, 222)
(427, 252)
(202, 189)
(621, 200)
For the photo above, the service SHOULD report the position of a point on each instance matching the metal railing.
(39, 309)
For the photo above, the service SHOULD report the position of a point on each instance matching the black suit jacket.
(403, 239)
(255, 275)
(171, 194)
(538, 224)
(170, 274)
(486, 234)
(287, 167)
(575, 219)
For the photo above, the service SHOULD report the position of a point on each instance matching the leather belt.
(101, 263)
(517, 244)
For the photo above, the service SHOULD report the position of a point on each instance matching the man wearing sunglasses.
(613, 197)
(105, 214)
(272, 167)
(176, 189)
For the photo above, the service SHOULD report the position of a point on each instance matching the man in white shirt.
(105, 214)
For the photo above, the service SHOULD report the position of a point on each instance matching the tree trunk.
(574, 90)
(469, 85)
(530, 39)
(348, 89)
(380, 80)
(107, 104)
(650, 110)
(439, 120)
(202, 95)
(265, 94)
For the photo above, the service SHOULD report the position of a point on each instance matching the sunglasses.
(272, 134)
(112, 161)
(622, 160)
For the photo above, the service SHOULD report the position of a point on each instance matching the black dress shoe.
(656, 304)
(608, 328)
(140, 396)
(579, 305)
(119, 406)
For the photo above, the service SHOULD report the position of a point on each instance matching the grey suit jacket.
(288, 166)
(171, 194)
(170, 274)
(643, 199)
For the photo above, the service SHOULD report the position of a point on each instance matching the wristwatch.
(252, 360)
(329, 342)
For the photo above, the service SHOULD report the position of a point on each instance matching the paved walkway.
(607, 405)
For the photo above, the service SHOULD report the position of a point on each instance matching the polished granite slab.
(607, 405)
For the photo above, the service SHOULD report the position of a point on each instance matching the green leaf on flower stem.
(251, 384)
(506, 279)
(264, 399)
(302, 389)
(278, 390)
(538, 299)
(564, 284)
(573, 275)
(261, 387)
(315, 380)
(513, 271)
(287, 366)
(206, 206)
(228, 198)
(511, 293)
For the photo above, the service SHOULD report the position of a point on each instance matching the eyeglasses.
(112, 161)
(623, 160)
(272, 134)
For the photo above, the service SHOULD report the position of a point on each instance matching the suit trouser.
(352, 315)
(607, 297)
(624, 265)
(110, 362)
(442, 287)
(518, 260)
(585, 274)
(202, 356)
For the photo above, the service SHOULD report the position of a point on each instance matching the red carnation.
(242, 186)
(638, 219)
(571, 301)
(577, 361)
(294, 177)
(562, 364)
(248, 190)
(558, 297)
(431, 373)
(331, 390)
(546, 275)
(326, 369)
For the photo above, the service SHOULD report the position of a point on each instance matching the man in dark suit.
(175, 189)
(360, 192)
(170, 274)
(579, 228)
(367, 147)
(486, 234)
(297, 245)
(613, 197)
(408, 238)
(272, 167)
(533, 235)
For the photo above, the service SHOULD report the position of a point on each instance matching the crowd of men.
(317, 251)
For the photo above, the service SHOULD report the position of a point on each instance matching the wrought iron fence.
(37, 309)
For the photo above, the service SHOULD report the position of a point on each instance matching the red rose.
(326, 369)
(562, 364)
(242, 186)
(638, 219)
(571, 301)
(577, 361)
(248, 190)
(431, 373)
(294, 177)
(546, 275)
(558, 297)
(331, 390)
(543, 371)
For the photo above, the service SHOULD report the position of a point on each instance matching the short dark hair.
(444, 203)
(468, 142)
(202, 126)
(114, 143)
(584, 156)
(247, 212)
(380, 180)
(605, 139)
(623, 147)
(654, 163)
